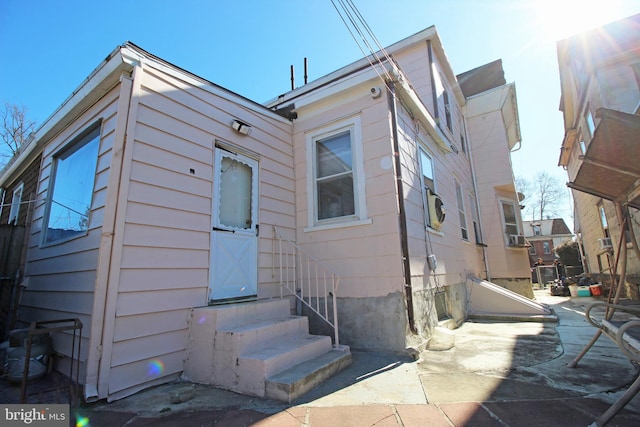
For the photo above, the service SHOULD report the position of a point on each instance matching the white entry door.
(234, 235)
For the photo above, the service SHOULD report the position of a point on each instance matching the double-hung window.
(509, 216)
(334, 176)
(461, 213)
(16, 201)
(447, 110)
(71, 188)
(336, 181)
(428, 185)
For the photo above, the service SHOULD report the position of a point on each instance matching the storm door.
(234, 235)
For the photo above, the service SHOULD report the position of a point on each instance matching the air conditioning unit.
(605, 243)
(436, 210)
(516, 240)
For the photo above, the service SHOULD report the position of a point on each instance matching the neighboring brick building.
(543, 237)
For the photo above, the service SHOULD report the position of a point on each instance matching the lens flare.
(82, 421)
(155, 368)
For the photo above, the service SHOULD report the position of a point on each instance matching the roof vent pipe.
(292, 79)
(305, 70)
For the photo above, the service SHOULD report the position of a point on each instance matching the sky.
(50, 46)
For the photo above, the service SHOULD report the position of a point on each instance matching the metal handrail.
(306, 278)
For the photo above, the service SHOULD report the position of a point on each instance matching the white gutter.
(101, 79)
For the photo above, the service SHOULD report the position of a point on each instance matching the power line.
(354, 20)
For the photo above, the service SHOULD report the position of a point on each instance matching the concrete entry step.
(236, 315)
(288, 385)
(237, 347)
(244, 337)
(284, 352)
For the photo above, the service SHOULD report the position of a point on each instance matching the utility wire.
(355, 27)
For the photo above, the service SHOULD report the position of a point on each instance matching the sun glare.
(558, 19)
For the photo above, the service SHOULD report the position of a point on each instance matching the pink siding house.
(171, 213)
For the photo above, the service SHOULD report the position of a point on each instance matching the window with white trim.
(509, 218)
(464, 232)
(16, 201)
(71, 188)
(447, 109)
(337, 187)
(428, 183)
(546, 248)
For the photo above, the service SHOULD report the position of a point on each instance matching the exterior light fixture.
(241, 127)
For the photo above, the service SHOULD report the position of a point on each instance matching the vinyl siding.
(62, 276)
(165, 253)
(367, 256)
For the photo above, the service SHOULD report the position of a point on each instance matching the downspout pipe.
(404, 243)
(92, 390)
(474, 179)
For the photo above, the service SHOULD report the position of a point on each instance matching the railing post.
(280, 261)
(335, 307)
(292, 275)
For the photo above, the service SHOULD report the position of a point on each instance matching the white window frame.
(85, 137)
(462, 215)
(16, 201)
(546, 248)
(506, 234)
(353, 126)
(447, 110)
(425, 200)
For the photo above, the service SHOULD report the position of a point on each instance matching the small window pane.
(335, 197)
(70, 201)
(334, 155)
(509, 213)
(427, 171)
(235, 194)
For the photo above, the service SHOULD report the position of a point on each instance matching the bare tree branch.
(543, 195)
(15, 128)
